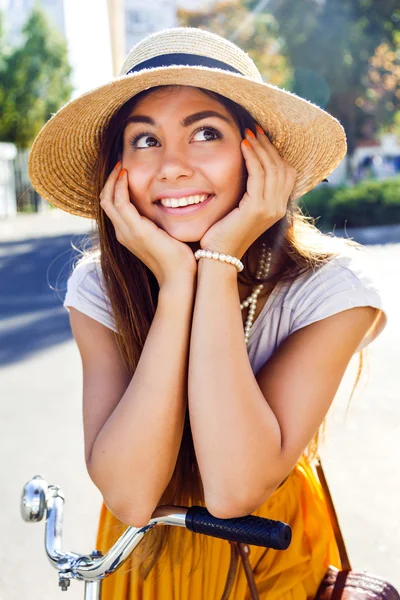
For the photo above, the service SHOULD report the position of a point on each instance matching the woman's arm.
(132, 442)
(249, 432)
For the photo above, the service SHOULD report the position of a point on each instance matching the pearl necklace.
(262, 272)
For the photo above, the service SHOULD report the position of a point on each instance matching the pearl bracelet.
(223, 257)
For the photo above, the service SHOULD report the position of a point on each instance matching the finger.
(266, 143)
(122, 202)
(121, 191)
(272, 183)
(277, 169)
(255, 170)
(267, 157)
(273, 172)
(108, 190)
(121, 211)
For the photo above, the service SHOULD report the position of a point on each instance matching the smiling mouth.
(184, 209)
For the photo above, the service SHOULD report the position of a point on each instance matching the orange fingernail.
(117, 165)
(250, 133)
(247, 143)
(123, 171)
(260, 129)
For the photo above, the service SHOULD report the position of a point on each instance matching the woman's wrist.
(222, 269)
(233, 248)
(180, 283)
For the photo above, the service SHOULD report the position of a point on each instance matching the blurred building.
(8, 197)
(377, 159)
(143, 17)
(132, 20)
(16, 13)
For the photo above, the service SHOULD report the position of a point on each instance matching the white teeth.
(187, 200)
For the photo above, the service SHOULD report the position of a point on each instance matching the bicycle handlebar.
(251, 529)
(38, 497)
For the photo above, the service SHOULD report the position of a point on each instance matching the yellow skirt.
(293, 574)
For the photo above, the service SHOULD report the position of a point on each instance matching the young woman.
(205, 382)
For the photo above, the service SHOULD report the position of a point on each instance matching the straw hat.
(65, 151)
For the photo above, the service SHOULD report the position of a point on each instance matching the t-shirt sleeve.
(341, 284)
(85, 292)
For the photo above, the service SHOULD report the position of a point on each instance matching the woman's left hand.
(269, 184)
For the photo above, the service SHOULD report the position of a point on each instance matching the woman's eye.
(145, 136)
(210, 134)
(207, 131)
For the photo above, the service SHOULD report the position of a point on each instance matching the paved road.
(40, 413)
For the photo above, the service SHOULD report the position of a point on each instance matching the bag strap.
(231, 571)
(344, 557)
(242, 550)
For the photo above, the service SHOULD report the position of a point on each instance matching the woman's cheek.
(138, 179)
(136, 196)
(229, 163)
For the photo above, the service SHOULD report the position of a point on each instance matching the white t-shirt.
(336, 286)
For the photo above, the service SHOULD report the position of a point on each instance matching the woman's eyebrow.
(186, 121)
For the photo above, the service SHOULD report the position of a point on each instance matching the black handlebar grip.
(251, 529)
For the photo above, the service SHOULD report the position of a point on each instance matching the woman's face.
(170, 152)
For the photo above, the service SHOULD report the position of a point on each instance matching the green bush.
(366, 204)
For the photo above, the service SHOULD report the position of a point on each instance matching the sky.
(88, 43)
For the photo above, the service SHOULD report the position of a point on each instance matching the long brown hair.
(133, 290)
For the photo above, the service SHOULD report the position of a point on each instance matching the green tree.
(329, 44)
(3, 48)
(382, 97)
(329, 47)
(254, 31)
(35, 80)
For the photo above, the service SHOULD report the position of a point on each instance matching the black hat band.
(180, 58)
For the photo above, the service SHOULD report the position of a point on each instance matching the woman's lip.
(184, 210)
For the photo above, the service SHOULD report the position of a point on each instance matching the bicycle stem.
(38, 497)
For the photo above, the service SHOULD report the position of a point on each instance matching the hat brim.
(63, 156)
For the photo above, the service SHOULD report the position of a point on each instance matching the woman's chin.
(187, 235)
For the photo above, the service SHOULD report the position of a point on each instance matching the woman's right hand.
(166, 257)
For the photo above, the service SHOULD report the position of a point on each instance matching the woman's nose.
(174, 164)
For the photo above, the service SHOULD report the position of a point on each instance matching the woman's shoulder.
(88, 269)
(86, 290)
(86, 277)
(345, 281)
(341, 273)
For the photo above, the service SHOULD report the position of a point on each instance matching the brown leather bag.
(336, 585)
(347, 584)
